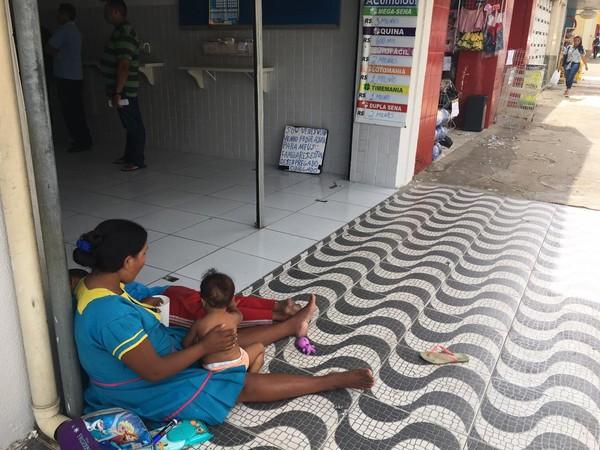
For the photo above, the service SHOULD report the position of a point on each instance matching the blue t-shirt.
(67, 62)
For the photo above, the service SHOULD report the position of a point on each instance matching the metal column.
(259, 113)
(31, 68)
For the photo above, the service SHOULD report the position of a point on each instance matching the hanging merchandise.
(471, 22)
(471, 41)
(494, 30)
(499, 32)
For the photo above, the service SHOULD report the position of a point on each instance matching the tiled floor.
(200, 211)
(511, 283)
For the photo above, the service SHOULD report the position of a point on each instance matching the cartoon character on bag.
(125, 433)
(98, 430)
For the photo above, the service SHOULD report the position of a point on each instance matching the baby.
(217, 292)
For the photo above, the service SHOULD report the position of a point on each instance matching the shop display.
(482, 28)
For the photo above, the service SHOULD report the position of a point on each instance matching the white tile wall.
(312, 85)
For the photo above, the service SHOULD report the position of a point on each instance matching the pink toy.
(305, 346)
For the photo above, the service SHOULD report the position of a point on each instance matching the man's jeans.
(131, 118)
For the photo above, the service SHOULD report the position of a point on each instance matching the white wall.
(16, 418)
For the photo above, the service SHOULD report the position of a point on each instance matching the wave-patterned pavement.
(509, 282)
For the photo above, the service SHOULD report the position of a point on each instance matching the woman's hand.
(218, 340)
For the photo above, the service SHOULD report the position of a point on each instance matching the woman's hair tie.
(84, 245)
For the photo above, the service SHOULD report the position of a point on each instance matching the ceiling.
(580, 4)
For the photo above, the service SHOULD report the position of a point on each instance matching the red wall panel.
(433, 78)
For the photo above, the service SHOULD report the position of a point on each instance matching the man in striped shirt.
(120, 65)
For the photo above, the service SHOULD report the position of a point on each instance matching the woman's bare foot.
(299, 322)
(354, 379)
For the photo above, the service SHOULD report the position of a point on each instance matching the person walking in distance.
(573, 56)
(120, 66)
(596, 45)
(65, 46)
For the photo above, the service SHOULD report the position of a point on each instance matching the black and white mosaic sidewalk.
(513, 284)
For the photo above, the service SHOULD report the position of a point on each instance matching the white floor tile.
(207, 186)
(370, 188)
(316, 189)
(291, 202)
(244, 269)
(150, 274)
(169, 220)
(247, 214)
(217, 232)
(154, 235)
(335, 210)
(310, 227)
(128, 190)
(208, 206)
(181, 281)
(272, 245)
(171, 253)
(166, 197)
(356, 196)
(75, 226)
(115, 208)
(244, 194)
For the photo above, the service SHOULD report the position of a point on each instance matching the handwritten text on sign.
(303, 149)
(388, 38)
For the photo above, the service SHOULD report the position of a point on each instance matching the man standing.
(120, 64)
(65, 46)
(596, 45)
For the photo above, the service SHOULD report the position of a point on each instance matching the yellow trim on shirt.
(85, 296)
(131, 347)
(127, 341)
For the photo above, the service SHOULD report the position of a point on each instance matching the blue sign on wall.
(275, 12)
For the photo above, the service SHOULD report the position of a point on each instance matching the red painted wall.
(433, 78)
(521, 24)
(478, 74)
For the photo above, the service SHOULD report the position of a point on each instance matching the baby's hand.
(152, 301)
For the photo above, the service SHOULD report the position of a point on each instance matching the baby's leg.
(256, 357)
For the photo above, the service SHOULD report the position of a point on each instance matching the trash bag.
(446, 142)
(440, 133)
(555, 78)
(443, 116)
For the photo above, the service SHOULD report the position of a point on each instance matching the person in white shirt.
(65, 46)
(573, 56)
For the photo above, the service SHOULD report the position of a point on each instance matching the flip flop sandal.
(439, 354)
(305, 346)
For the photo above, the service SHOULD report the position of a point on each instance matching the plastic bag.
(555, 78)
(436, 152)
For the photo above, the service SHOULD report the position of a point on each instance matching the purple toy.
(305, 346)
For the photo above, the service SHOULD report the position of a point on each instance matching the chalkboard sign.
(303, 149)
(275, 12)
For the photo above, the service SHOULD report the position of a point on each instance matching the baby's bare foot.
(291, 308)
(302, 318)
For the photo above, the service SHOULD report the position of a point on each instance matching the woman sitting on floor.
(136, 363)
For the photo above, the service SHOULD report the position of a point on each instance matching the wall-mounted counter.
(198, 72)
(147, 68)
